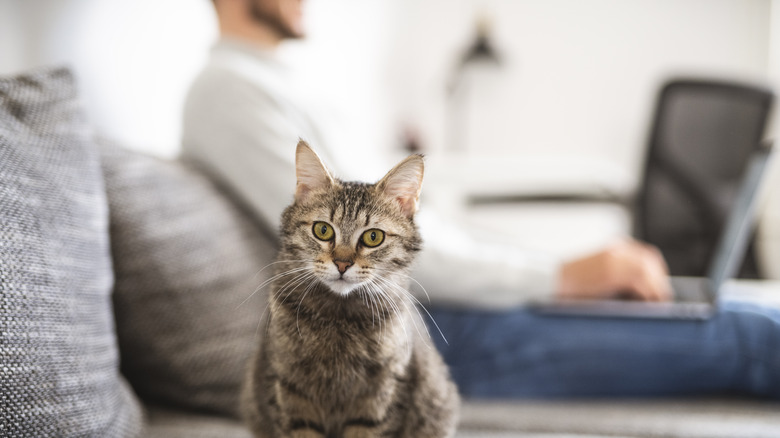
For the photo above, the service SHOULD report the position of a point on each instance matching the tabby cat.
(344, 355)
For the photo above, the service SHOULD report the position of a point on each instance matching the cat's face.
(352, 235)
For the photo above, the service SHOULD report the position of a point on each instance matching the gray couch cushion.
(185, 259)
(166, 423)
(676, 418)
(59, 374)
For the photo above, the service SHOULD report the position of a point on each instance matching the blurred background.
(534, 115)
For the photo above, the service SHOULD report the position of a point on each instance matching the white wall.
(134, 60)
(577, 75)
(342, 60)
(12, 44)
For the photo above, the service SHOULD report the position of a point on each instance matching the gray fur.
(341, 359)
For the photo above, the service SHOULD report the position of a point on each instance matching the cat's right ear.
(311, 173)
(403, 183)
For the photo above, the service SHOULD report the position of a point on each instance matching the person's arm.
(456, 268)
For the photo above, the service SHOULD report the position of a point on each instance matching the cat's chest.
(337, 353)
(337, 357)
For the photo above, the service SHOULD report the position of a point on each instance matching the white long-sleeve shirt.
(242, 122)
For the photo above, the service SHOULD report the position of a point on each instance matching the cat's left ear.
(403, 183)
(311, 173)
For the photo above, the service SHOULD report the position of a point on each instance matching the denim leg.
(519, 353)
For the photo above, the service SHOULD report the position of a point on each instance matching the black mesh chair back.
(702, 136)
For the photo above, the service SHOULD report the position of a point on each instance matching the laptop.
(694, 297)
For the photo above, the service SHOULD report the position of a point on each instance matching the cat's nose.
(343, 265)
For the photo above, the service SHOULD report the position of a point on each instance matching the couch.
(127, 305)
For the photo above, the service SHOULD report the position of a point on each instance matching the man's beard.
(273, 20)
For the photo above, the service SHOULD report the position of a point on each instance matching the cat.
(344, 355)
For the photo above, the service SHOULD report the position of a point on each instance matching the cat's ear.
(311, 173)
(403, 183)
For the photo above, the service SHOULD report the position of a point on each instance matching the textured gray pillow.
(185, 259)
(59, 373)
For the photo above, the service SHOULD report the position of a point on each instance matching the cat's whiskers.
(362, 292)
(303, 279)
(380, 297)
(298, 312)
(379, 307)
(414, 299)
(292, 286)
(397, 311)
(428, 297)
(375, 306)
(269, 281)
(389, 306)
(276, 263)
(406, 303)
(299, 277)
(370, 302)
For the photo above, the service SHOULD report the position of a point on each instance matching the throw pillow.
(59, 365)
(186, 259)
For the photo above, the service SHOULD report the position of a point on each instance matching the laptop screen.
(739, 224)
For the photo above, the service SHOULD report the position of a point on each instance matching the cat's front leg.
(390, 424)
(300, 416)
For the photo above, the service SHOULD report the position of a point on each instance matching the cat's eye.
(372, 238)
(323, 231)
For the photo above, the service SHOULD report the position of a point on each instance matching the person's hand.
(626, 267)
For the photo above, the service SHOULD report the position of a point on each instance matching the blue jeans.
(521, 354)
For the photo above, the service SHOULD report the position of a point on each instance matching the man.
(242, 120)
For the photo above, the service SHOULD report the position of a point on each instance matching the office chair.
(702, 135)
